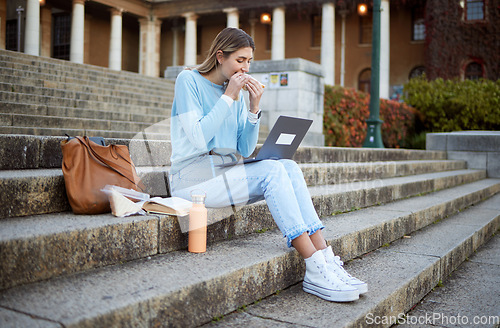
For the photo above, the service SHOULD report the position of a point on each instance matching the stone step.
(50, 132)
(24, 82)
(31, 151)
(20, 235)
(42, 77)
(37, 109)
(186, 289)
(475, 284)
(42, 121)
(399, 276)
(151, 108)
(85, 71)
(42, 191)
(64, 97)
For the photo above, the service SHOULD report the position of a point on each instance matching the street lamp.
(373, 135)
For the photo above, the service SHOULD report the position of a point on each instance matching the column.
(190, 40)
(3, 22)
(115, 40)
(278, 34)
(328, 42)
(77, 31)
(233, 17)
(149, 46)
(175, 46)
(343, 13)
(384, 50)
(32, 32)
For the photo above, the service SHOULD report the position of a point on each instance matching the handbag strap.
(98, 158)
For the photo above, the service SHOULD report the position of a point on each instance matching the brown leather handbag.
(88, 167)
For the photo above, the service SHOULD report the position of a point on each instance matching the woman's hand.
(236, 82)
(255, 91)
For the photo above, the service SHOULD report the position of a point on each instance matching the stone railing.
(480, 149)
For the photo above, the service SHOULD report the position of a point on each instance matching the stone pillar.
(301, 96)
(149, 46)
(190, 40)
(46, 30)
(32, 31)
(384, 50)
(175, 46)
(115, 40)
(3, 22)
(77, 31)
(328, 42)
(278, 34)
(233, 17)
(343, 13)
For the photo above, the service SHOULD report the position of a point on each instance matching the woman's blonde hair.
(228, 41)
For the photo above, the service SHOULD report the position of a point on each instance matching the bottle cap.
(198, 196)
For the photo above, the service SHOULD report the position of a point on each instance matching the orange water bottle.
(197, 239)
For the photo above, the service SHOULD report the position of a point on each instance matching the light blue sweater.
(202, 121)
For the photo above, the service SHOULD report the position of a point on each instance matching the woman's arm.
(199, 124)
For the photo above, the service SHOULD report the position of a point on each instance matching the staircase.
(45, 96)
(401, 219)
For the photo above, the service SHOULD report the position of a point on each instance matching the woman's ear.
(220, 56)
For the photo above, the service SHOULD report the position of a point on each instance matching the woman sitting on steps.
(210, 123)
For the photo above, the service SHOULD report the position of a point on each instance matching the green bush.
(346, 112)
(453, 105)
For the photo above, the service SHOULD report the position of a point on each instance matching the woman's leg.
(304, 245)
(307, 210)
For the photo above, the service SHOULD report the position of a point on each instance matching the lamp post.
(373, 135)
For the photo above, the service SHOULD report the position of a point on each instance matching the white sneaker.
(336, 265)
(325, 284)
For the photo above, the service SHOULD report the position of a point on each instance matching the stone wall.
(480, 149)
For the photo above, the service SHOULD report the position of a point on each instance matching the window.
(62, 36)
(418, 24)
(365, 28)
(474, 10)
(316, 31)
(198, 39)
(416, 72)
(11, 35)
(364, 80)
(474, 71)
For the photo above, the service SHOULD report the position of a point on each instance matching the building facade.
(149, 36)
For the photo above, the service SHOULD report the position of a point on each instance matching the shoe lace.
(345, 276)
(324, 271)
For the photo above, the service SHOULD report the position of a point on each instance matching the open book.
(171, 206)
(126, 202)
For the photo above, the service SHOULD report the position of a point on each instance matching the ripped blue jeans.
(280, 182)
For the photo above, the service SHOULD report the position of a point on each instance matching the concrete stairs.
(402, 219)
(405, 218)
(45, 96)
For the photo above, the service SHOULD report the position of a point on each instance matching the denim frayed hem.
(315, 228)
(310, 231)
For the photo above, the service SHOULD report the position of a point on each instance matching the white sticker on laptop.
(285, 139)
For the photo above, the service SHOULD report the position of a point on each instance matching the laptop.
(283, 140)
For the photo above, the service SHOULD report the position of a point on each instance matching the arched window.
(416, 72)
(474, 71)
(364, 80)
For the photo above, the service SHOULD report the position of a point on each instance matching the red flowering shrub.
(346, 112)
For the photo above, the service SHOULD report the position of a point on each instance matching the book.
(123, 203)
(170, 205)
